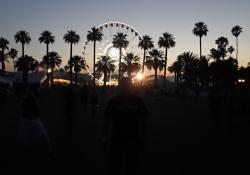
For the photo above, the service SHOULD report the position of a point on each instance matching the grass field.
(184, 138)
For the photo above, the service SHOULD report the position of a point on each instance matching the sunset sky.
(151, 17)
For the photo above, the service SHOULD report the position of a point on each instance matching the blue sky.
(152, 17)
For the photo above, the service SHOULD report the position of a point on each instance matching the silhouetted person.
(232, 101)
(197, 91)
(215, 103)
(94, 102)
(70, 108)
(34, 148)
(177, 91)
(125, 127)
(84, 96)
(2, 95)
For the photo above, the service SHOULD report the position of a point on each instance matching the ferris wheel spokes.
(105, 47)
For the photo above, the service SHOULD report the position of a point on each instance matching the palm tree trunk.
(178, 78)
(143, 61)
(23, 50)
(155, 78)
(76, 79)
(200, 49)
(94, 64)
(237, 51)
(47, 53)
(129, 75)
(47, 67)
(71, 72)
(52, 76)
(47, 49)
(119, 73)
(175, 77)
(14, 66)
(165, 68)
(105, 78)
(3, 64)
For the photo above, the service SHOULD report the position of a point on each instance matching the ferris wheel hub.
(105, 47)
(113, 52)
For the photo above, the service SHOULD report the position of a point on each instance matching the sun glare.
(139, 76)
(49, 70)
(114, 52)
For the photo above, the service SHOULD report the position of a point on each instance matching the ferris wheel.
(106, 48)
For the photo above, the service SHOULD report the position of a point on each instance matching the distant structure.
(105, 47)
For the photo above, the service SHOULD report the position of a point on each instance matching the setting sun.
(125, 87)
(139, 76)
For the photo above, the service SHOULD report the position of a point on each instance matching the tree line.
(219, 68)
(188, 69)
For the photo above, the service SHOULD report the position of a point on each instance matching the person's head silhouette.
(29, 107)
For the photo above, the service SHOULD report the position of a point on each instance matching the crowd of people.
(124, 133)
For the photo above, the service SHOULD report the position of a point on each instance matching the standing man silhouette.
(125, 127)
(34, 147)
(70, 107)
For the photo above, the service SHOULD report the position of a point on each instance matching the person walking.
(125, 128)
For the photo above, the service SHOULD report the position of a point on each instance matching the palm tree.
(22, 37)
(171, 69)
(131, 64)
(78, 63)
(55, 61)
(34, 66)
(224, 72)
(236, 31)
(155, 61)
(176, 68)
(190, 64)
(222, 43)
(52, 60)
(105, 65)
(47, 38)
(145, 43)
(166, 41)
(120, 41)
(66, 68)
(200, 30)
(215, 54)
(3, 45)
(231, 50)
(94, 35)
(203, 71)
(13, 54)
(26, 64)
(71, 38)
